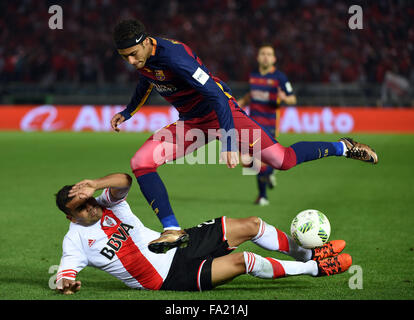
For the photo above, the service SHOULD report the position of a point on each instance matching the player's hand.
(231, 158)
(281, 94)
(116, 121)
(83, 189)
(70, 286)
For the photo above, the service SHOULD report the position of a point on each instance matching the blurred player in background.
(105, 234)
(205, 105)
(269, 87)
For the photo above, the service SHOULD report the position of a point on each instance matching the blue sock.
(262, 181)
(312, 150)
(156, 195)
(261, 184)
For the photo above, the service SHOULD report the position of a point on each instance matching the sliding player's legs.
(208, 260)
(321, 261)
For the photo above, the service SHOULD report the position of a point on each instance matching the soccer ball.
(310, 228)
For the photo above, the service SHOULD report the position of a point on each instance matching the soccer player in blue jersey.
(205, 105)
(269, 87)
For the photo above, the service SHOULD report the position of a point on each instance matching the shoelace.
(357, 153)
(331, 266)
(326, 250)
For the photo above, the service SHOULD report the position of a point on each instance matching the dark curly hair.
(62, 198)
(127, 29)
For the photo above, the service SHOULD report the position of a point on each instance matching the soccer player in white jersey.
(104, 233)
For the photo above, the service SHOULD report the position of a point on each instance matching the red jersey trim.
(132, 258)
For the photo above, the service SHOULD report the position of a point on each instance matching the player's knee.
(289, 159)
(252, 226)
(141, 164)
(238, 261)
(135, 161)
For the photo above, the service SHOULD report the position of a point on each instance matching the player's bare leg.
(226, 268)
(270, 238)
(325, 260)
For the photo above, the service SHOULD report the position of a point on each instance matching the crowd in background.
(312, 38)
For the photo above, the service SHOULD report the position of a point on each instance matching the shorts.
(191, 266)
(249, 132)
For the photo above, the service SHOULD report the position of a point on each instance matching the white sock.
(172, 228)
(294, 268)
(258, 266)
(270, 238)
(345, 148)
(270, 268)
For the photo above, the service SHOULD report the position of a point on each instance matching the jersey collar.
(273, 69)
(154, 46)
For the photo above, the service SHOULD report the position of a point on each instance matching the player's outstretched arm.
(119, 184)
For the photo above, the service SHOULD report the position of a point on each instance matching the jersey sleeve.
(105, 199)
(185, 64)
(285, 84)
(72, 262)
(141, 94)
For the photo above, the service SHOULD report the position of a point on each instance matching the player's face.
(266, 57)
(137, 55)
(84, 212)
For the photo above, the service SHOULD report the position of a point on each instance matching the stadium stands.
(313, 41)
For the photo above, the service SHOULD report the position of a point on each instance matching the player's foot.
(329, 249)
(334, 265)
(169, 239)
(261, 201)
(359, 151)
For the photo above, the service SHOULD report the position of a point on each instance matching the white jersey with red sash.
(117, 244)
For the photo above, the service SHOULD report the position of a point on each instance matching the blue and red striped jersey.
(264, 97)
(180, 76)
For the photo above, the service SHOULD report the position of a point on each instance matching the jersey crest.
(159, 75)
(109, 222)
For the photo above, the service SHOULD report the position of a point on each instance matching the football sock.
(156, 195)
(270, 238)
(312, 150)
(270, 268)
(261, 184)
(295, 268)
(262, 180)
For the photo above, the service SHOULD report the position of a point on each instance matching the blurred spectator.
(311, 37)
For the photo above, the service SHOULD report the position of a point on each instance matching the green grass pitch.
(371, 207)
